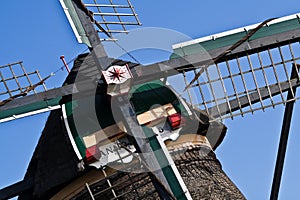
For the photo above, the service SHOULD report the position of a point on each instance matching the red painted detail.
(116, 73)
(91, 154)
(65, 63)
(175, 120)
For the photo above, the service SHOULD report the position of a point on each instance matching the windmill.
(237, 99)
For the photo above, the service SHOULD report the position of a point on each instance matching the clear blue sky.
(38, 33)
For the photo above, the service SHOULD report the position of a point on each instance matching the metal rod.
(244, 83)
(134, 13)
(65, 63)
(255, 97)
(224, 89)
(293, 58)
(89, 190)
(120, 183)
(15, 78)
(288, 112)
(14, 63)
(109, 183)
(113, 31)
(39, 76)
(123, 194)
(212, 92)
(27, 76)
(265, 77)
(286, 71)
(12, 91)
(239, 94)
(250, 71)
(5, 85)
(275, 73)
(103, 18)
(188, 90)
(115, 14)
(247, 111)
(106, 5)
(234, 87)
(267, 66)
(119, 18)
(201, 93)
(18, 76)
(120, 23)
(255, 81)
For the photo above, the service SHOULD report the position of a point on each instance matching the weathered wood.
(254, 97)
(170, 67)
(16, 189)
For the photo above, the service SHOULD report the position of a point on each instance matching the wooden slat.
(256, 96)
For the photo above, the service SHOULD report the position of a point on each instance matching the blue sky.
(38, 34)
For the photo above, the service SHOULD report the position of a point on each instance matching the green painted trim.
(164, 164)
(146, 86)
(229, 40)
(69, 112)
(105, 116)
(77, 23)
(29, 108)
(142, 104)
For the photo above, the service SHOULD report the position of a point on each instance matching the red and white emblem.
(117, 74)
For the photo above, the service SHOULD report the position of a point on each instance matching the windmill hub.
(117, 74)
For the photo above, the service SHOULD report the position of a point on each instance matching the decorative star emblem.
(117, 74)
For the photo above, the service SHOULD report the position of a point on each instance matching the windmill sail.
(261, 63)
(16, 83)
(255, 76)
(107, 17)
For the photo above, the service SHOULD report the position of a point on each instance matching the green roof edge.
(29, 108)
(228, 40)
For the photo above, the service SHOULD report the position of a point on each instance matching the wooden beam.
(254, 97)
(16, 189)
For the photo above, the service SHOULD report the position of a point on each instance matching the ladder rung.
(110, 6)
(115, 14)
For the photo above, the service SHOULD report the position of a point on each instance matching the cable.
(70, 61)
(91, 16)
(229, 50)
(24, 93)
(129, 54)
(30, 88)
